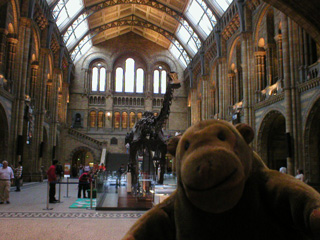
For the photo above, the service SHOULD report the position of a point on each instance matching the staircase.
(84, 138)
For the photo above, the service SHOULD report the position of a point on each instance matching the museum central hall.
(103, 85)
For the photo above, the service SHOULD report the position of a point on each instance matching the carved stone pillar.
(11, 53)
(244, 65)
(287, 86)
(19, 61)
(278, 39)
(232, 87)
(269, 61)
(260, 69)
(220, 114)
(33, 82)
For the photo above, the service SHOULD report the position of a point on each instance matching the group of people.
(299, 174)
(7, 175)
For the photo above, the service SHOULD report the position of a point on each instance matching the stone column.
(260, 69)
(205, 98)
(269, 63)
(244, 65)
(287, 86)
(194, 111)
(34, 75)
(11, 52)
(109, 84)
(41, 108)
(220, 115)
(232, 86)
(86, 81)
(20, 74)
(55, 106)
(3, 51)
(278, 39)
(295, 95)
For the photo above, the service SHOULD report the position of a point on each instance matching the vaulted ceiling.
(179, 24)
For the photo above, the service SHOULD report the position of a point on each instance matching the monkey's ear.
(246, 131)
(172, 145)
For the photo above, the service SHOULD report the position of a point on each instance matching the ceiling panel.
(150, 14)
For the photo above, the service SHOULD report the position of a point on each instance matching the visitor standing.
(52, 179)
(59, 171)
(300, 175)
(17, 176)
(6, 179)
(121, 171)
(283, 170)
(84, 184)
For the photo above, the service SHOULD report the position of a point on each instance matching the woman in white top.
(300, 175)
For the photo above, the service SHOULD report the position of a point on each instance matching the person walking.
(6, 179)
(17, 176)
(52, 179)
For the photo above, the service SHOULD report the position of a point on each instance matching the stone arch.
(4, 133)
(232, 47)
(164, 59)
(137, 56)
(16, 14)
(256, 28)
(89, 59)
(36, 39)
(304, 13)
(271, 140)
(138, 52)
(81, 149)
(311, 140)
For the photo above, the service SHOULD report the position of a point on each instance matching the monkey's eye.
(186, 145)
(221, 136)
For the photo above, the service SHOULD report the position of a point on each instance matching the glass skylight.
(224, 4)
(195, 26)
(64, 13)
(178, 55)
(84, 45)
(78, 28)
(185, 37)
(65, 10)
(201, 16)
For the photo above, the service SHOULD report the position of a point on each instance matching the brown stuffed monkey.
(225, 191)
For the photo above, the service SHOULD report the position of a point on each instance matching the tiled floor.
(28, 216)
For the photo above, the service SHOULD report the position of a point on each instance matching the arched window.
(100, 119)
(140, 80)
(98, 78)
(124, 120)
(132, 119)
(116, 120)
(159, 80)
(93, 117)
(129, 78)
(119, 79)
(129, 75)
(139, 116)
(114, 141)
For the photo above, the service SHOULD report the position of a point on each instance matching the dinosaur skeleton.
(147, 134)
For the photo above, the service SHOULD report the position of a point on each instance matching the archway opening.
(272, 140)
(277, 155)
(82, 157)
(312, 146)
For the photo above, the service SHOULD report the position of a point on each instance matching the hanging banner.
(67, 167)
